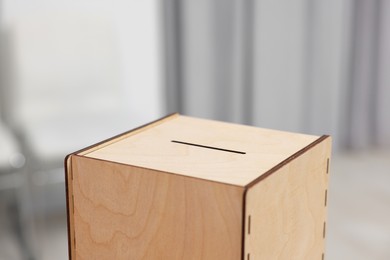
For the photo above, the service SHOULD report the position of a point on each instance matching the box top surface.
(211, 150)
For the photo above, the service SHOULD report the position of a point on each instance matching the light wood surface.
(286, 212)
(188, 188)
(153, 148)
(127, 212)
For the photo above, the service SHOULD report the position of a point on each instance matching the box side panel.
(286, 212)
(125, 212)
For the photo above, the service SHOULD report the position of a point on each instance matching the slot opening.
(326, 197)
(208, 147)
(249, 224)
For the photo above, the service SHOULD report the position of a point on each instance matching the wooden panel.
(125, 212)
(153, 148)
(286, 211)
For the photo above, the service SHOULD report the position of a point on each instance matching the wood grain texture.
(188, 188)
(126, 212)
(153, 148)
(287, 209)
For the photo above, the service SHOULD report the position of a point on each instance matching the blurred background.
(73, 73)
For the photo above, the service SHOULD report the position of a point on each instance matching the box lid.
(211, 150)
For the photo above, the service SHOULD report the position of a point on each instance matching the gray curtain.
(318, 67)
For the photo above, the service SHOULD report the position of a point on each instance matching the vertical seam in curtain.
(174, 65)
(308, 65)
(350, 82)
(375, 77)
(359, 17)
(248, 61)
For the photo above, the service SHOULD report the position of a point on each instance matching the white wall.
(137, 29)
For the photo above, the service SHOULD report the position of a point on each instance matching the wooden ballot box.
(189, 188)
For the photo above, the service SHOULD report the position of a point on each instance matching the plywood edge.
(69, 201)
(126, 134)
(286, 161)
(244, 224)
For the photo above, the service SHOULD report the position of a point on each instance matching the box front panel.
(124, 212)
(286, 211)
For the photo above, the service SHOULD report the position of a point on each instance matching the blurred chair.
(64, 94)
(11, 158)
(11, 162)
